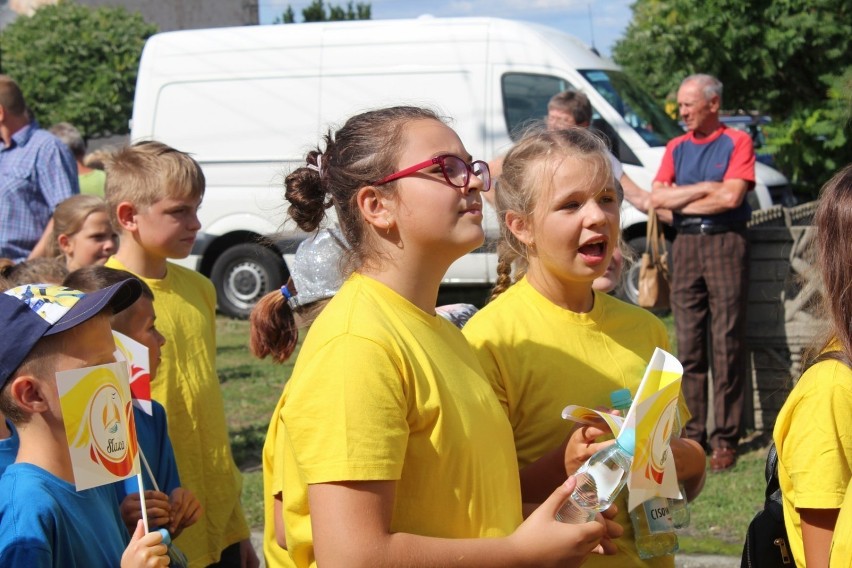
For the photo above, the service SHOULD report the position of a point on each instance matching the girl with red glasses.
(391, 448)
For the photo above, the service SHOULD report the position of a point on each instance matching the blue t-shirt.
(153, 435)
(46, 522)
(9, 448)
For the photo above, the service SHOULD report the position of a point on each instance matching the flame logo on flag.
(99, 424)
(111, 444)
(660, 435)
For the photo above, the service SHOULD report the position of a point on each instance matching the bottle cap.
(627, 440)
(167, 538)
(620, 398)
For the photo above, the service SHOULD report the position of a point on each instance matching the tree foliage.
(288, 17)
(316, 12)
(77, 64)
(785, 58)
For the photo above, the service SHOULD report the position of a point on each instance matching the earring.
(387, 226)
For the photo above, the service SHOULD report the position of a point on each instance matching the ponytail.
(273, 328)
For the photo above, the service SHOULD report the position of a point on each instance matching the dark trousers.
(708, 297)
(230, 558)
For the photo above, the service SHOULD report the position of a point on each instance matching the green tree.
(779, 57)
(316, 12)
(814, 142)
(77, 64)
(288, 17)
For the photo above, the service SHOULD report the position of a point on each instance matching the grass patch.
(253, 498)
(723, 510)
(251, 389)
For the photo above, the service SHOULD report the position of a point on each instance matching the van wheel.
(629, 288)
(243, 274)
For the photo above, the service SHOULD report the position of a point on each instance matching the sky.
(598, 23)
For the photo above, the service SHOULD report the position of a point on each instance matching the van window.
(525, 98)
(637, 107)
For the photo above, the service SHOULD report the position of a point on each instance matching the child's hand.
(543, 541)
(581, 446)
(145, 550)
(156, 503)
(613, 530)
(186, 510)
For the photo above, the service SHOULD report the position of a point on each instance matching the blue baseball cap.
(33, 311)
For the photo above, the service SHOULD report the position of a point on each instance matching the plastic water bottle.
(177, 559)
(653, 527)
(599, 481)
(679, 508)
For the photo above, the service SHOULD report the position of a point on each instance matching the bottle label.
(658, 514)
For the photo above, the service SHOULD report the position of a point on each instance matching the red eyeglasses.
(456, 171)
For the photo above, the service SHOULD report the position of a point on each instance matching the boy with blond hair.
(154, 192)
(45, 521)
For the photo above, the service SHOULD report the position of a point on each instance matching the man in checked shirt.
(37, 172)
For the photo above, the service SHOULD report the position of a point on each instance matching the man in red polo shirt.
(703, 180)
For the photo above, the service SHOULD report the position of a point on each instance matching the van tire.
(628, 290)
(243, 274)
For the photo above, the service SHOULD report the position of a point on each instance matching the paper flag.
(583, 415)
(99, 426)
(652, 416)
(138, 367)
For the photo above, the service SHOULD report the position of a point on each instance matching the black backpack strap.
(773, 487)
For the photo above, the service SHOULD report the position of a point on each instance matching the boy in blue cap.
(45, 521)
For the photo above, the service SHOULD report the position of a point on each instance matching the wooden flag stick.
(142, 500)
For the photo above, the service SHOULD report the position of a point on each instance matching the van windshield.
(637, 107)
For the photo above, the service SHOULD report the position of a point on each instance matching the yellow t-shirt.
(188, 387)
(813, 435)
(540, 358)
(273, 484)
(383, 391)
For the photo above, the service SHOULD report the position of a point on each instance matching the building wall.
(170, 15)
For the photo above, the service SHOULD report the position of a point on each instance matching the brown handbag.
(654, 269)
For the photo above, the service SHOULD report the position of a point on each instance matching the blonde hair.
(70, 215)
(148, 172)
(98, 159)
(527, 175)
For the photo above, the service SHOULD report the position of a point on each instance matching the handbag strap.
(655, 240)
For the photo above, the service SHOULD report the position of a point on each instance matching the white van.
(249, 102)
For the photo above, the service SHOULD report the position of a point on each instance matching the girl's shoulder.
(616, 309)
(495, 309)
(826, 373)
